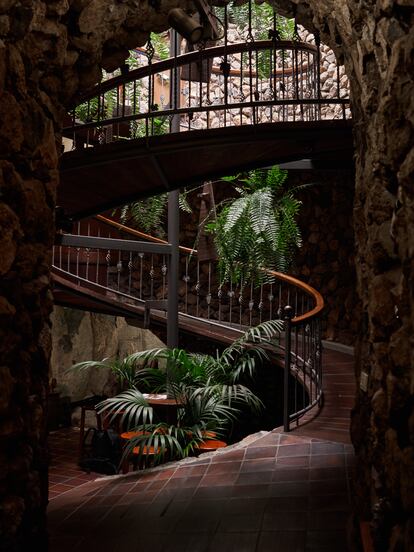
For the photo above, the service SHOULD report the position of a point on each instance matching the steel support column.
(173, 209)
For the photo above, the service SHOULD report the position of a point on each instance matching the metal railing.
(133, 267)
(254, 82)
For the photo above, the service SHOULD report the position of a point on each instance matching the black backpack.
(105, 451)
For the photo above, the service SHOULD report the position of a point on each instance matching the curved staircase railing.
(115, 266)
(140, 103)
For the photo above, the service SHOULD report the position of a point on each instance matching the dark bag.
(105, 451)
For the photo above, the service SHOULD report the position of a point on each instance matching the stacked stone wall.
(49, 52)
(375, 40)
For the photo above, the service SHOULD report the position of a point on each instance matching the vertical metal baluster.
(220, 296)
(287, 317)
(283, 86)
(68, 258)
(296, 303)
(186, 280)
(231, 293)
(261, 304)
(241, 87)
(198, 288)
(318, 73)
(271, 299)
(208, 297)
(151, 275)
(141, 272)
(311, 383)
(251, 304)
(77, 260)
(53, 256)
(98, 254)
(130, 265)
(296, 374)
(87, 250)
(279, 308)
(189, 99)
(301, 85)
(164, 274)
(134, 99)
(108, 262)
(304, 374)
(60, 256)
(118, 110)
(118, 269)
(240, 306)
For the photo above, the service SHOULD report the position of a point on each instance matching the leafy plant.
(263, 19)
(256, 232)
(211, 391)
(148, 214)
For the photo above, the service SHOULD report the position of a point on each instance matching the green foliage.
(257, 232)
(148, 215)
(211, 391)
(263, 19)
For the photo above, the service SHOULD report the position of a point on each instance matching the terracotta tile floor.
(64, 473)
(282, 492)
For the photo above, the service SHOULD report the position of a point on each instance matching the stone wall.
(80, 335)
(49, 52)
(326, 260)
(375, 40)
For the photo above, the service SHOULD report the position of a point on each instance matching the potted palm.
(210, 391)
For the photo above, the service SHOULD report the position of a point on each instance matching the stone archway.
(52, 51)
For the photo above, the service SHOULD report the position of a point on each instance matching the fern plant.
(263, 19)
(148, 214)
(257, 232)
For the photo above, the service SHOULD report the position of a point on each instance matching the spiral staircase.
(181, 121)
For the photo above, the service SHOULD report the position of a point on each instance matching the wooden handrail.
(316, 296)
(191, 57)
(138, 234)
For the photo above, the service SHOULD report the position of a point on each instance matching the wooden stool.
(148, 453)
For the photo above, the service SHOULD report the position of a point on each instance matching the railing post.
(173, 212)
(287, 317)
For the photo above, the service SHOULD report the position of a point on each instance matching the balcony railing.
(228, 85)
(125, 264)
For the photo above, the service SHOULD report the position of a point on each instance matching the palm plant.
(211, 391)
(257, 232)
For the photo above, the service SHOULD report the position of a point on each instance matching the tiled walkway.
(282, 492)
(64, 472)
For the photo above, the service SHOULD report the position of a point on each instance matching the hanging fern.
(149, 215)
(257, 231)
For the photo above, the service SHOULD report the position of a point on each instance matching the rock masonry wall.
(49, 52)
(375, 40)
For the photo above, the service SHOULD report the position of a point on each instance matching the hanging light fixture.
(188, 27)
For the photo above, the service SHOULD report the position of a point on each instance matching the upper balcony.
(251, 97)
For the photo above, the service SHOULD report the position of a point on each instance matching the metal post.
(173, 210)
(287, 317)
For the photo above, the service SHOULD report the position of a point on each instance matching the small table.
(169, 406)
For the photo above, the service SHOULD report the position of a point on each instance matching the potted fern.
(256, 232)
